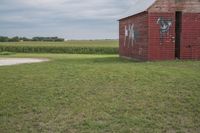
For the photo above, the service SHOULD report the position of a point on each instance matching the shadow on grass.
(114, 60)
(106, 60)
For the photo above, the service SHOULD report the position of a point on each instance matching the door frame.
(178, 28)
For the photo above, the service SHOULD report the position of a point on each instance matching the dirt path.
(15, 61)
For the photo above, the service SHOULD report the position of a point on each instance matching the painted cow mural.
(165, 25)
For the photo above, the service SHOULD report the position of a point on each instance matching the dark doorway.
(178, 34)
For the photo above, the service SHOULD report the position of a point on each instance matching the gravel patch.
(15, 61)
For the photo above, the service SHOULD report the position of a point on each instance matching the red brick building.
(161, 30)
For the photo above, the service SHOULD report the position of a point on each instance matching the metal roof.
(138, 7)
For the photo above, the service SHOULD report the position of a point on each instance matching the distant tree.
(17, 39)
(48, 39)
(35, 39)
(14, 39)
(4, 39)
(59, 40)
(24, 39)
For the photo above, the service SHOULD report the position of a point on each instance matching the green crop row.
(61, 49)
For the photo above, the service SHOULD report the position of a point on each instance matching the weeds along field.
(70, 47)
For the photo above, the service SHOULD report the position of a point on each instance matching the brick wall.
(190, 41)
(135, 44)
(192, 6)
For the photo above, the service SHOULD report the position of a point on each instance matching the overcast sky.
(70, 19)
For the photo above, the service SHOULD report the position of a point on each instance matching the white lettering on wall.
(129, 35)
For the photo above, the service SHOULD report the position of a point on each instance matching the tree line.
(20, 39)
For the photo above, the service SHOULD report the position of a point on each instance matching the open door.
(178, 34)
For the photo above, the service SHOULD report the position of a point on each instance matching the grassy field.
(75, 43)
(99, 93)
(71, 47)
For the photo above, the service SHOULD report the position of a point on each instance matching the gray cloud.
(73, 19)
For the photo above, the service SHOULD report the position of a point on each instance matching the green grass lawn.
(99, 93)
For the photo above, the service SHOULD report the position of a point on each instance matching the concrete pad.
(15, 61)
